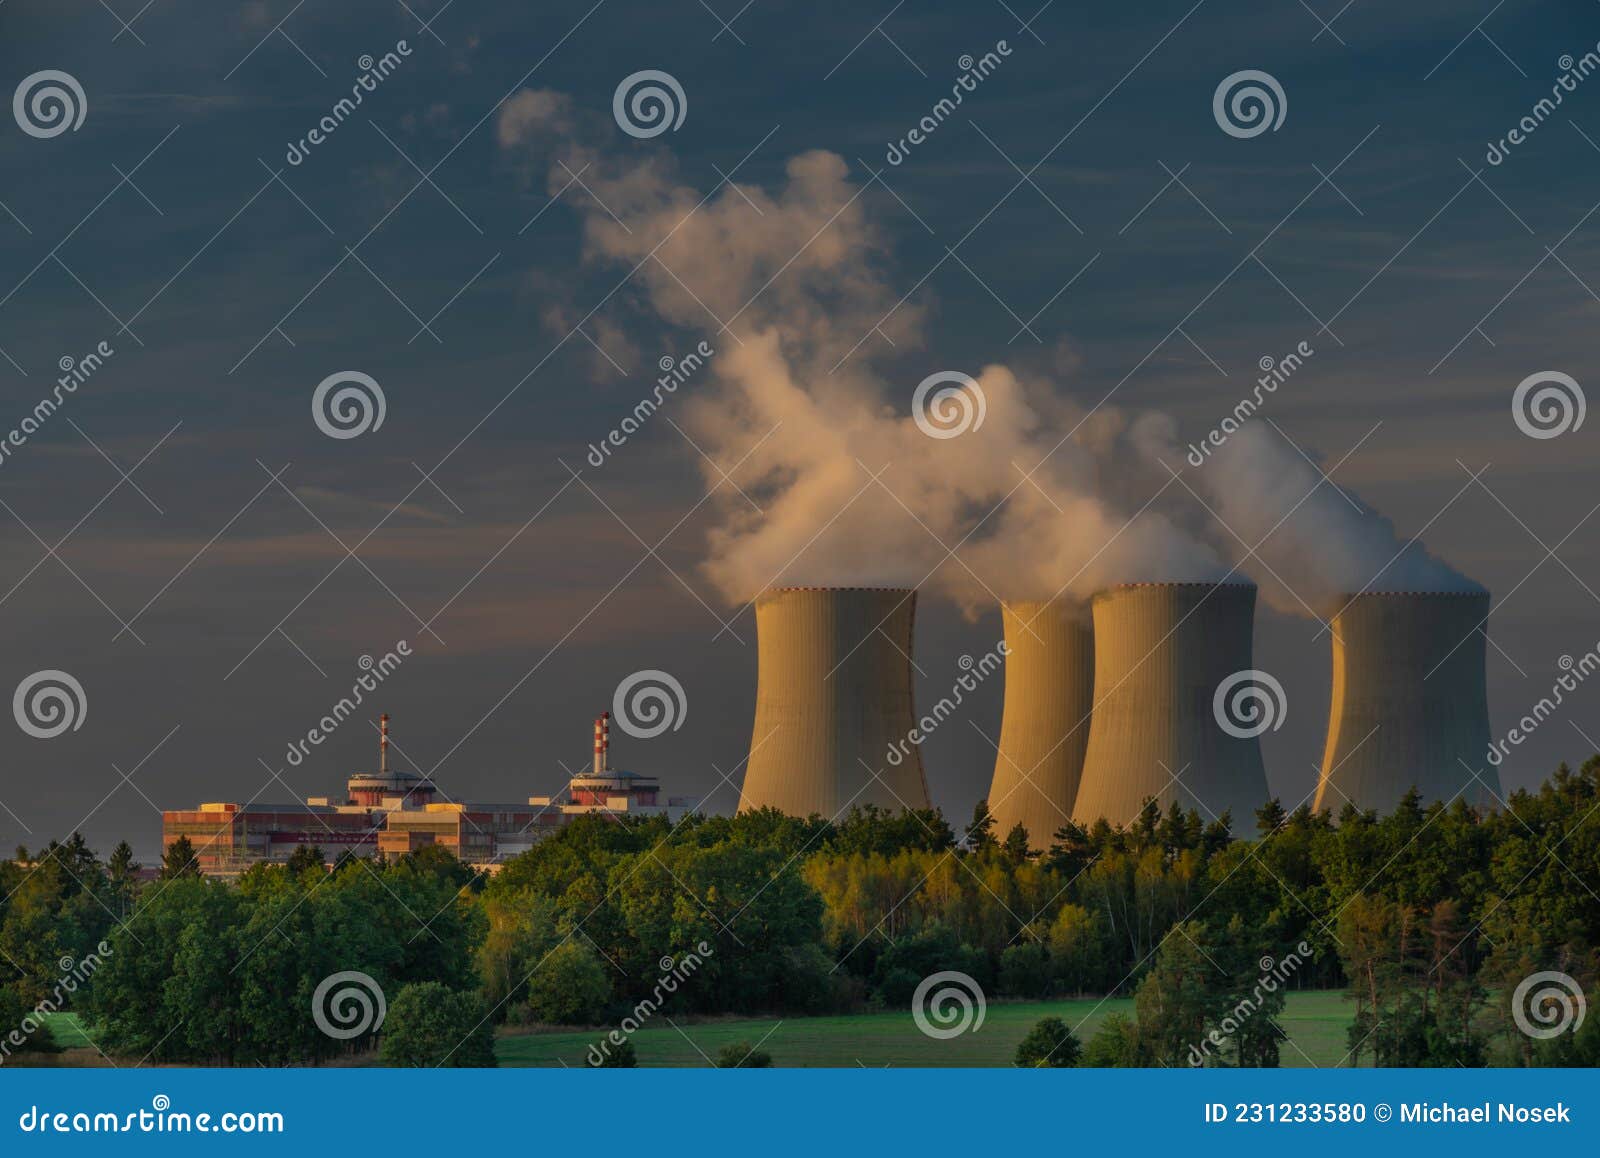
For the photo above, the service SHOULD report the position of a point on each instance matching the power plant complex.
(391, 812)
(1103, 714)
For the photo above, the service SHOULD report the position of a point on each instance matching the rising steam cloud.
(1037, 501)
(1322, 544)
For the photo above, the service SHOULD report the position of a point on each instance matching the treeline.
(1429, 917)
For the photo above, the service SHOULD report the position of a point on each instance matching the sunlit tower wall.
(1045, 726)
(833, 695)
(1161, 650)
(1409, 706)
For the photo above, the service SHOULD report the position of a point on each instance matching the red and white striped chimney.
(383, 743)
(602, 744)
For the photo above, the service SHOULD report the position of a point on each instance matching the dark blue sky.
(230, 283)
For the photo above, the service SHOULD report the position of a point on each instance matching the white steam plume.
(1323, 549)
(790, 288)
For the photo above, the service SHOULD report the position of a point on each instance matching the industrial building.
(393, 812)
(228, 838)
(1099, 717)
(1044, 730)
(833, 697)
(1409, 705)
(1161, 651)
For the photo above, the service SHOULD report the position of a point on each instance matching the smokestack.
(1409, 705)
(383, 743)
(1161, 652)
(833, 696)
(1045, 728)
(602, 744)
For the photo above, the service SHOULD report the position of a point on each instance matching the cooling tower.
(1161, 651)
(1409, 706)
(1045, 728)
(833, 697)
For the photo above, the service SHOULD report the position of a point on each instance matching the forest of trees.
(1427, 917)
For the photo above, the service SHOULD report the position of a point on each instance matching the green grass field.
(1315, 1022)
(67, 1031)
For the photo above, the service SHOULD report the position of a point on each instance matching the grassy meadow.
(1315, 1022)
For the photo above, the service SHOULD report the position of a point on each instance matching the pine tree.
(1270, 817)
(123, 872)
(122, 868)
(179, 860)
(1015, 846)
(980, 833)
(304, 858)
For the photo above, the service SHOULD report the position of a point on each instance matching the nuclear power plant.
(1161, 651)
(833, 697)
(1409, 706)
(1045, 726)
(1155, 695)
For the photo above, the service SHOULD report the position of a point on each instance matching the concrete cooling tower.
(1045, 728)
(1161, 652)
(1409, 706)
(833, 696)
